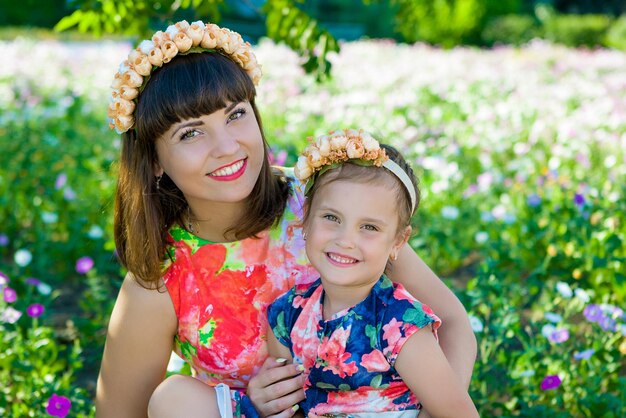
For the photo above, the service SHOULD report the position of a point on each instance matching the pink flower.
(550, 382)
(84, 264)
(10, 295)
(335, 355)
(58, 406)
(35, 310)
(375, 362)
(391, 332)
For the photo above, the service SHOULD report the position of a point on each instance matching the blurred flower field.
(521, 155)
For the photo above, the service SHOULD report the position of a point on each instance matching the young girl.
(211, 235)
(367, 346)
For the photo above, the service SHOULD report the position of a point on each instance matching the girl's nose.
(345, 239)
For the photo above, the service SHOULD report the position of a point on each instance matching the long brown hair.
(187, 87)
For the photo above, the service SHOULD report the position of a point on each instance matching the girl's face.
(351, 231)
(213, 158)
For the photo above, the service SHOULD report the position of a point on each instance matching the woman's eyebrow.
(196, 122)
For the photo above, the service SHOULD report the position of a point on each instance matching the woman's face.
(213, 158)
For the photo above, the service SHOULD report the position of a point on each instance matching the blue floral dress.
(349, 359)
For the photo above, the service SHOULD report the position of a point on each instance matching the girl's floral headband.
(347, 145)
(178, 39)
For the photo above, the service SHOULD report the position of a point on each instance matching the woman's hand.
(277, 388)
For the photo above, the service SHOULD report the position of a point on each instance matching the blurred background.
(512, 112)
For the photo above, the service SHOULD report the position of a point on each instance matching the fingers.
(276, 388)
(289, 412)
(274, 371)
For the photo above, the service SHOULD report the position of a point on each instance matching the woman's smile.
(230, 172)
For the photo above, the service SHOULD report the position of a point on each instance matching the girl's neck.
(338, 298)
(210, 221)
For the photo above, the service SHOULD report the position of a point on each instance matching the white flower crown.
(181, 38)
(347, 145)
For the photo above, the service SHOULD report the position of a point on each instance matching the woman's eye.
(237, 114)
(189, 134)
(330, 217)
(369, 227)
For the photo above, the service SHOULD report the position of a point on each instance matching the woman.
(210, 235)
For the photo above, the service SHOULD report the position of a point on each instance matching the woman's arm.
(138, 346)
(456, 337)
(424, 369)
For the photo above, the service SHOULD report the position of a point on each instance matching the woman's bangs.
(190, 86)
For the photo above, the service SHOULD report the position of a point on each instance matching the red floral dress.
(221, 291)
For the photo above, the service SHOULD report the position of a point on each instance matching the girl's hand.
(276, 388)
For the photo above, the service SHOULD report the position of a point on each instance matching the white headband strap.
(404, 178)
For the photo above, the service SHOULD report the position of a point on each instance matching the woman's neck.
(211, 221)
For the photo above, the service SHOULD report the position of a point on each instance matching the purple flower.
(559, 336)
(607, 323)
(579, 199)
(35, 310)
(4, 240)
(584, 355)
(58, 406)
(278, 159)
(84, 264)
(533, 200)
(33, 282)
(10, 295)
(593, 312)
(69, 194)
(550, 382)
(60, 181)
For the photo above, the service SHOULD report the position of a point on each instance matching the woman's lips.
(230, 172)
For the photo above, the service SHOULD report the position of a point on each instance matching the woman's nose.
(225, 145)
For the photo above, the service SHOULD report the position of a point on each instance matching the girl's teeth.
(228, 170)
(342, 260)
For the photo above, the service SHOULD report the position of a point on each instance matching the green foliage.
(287, 23)
(577, 30)
(616, 36)
(36, 361)
(510, 30)
(448, 22)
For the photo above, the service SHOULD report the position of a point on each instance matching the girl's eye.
(330, 217)
(237, 114)
(188, 134)
(370, 227)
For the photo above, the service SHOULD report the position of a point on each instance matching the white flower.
(582, 295)
(146, 46)
(95, 232)
(553, 317)
(564, 290)
(49, 217)
(476, 324)
(450, 212)
(22, 257)
(10, 315)
(481, 237)
(547, 330)
(44, 288)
